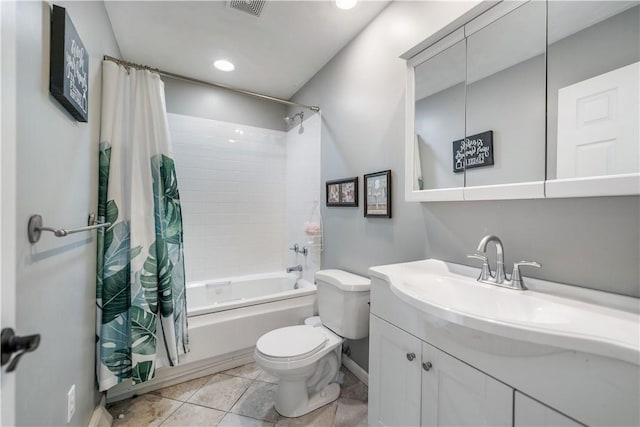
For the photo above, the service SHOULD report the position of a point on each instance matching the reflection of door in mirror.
(598, 125)
(506, 95)
(439, 118)
(593, 74)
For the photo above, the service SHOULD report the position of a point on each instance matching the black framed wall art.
(377, 194)
(343, 192)
(69, 66)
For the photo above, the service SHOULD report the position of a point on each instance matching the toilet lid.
(292, 341)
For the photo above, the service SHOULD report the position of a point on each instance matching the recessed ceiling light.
(224, 65)
(346, 4)
(232, 141)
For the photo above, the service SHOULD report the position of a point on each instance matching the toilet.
(306, 358)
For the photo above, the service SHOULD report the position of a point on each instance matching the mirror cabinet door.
(505, 98)
(592, 83)
(439, 119)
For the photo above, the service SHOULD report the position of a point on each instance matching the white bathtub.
(230, 293)
(226, 318)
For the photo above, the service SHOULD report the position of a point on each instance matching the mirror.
(593, 54)
(526, 99)
(505, 105)
(439, 118)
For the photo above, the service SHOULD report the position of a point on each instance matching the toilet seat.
(291, 343)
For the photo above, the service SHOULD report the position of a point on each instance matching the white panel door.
(531, 413)
(455, 394)
(394, 376)
(598, 125)
(8, 197)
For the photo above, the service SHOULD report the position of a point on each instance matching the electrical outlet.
(71, 403)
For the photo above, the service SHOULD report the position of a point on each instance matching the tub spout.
(296, 268)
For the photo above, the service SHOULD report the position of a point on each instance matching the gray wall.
(212, 103)
(57, 176)
(592, 242)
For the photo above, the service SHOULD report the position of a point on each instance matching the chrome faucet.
(500, 278)
(296, 268)
(482, 248)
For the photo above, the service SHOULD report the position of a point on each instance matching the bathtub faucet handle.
(296, 248)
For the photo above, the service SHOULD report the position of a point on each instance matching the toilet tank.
(343, 303)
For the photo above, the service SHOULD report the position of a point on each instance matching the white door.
(598, 125)
(530, 413)
(7, 194)
(394, 376)
(455, 394)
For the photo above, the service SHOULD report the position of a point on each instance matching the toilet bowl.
(306, 358)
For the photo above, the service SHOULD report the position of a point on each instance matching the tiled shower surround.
(238, 187)
(232, 181)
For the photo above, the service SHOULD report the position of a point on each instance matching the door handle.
(11, 343)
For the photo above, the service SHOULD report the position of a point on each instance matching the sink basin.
(451, 293)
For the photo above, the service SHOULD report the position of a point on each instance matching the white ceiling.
(275, 54)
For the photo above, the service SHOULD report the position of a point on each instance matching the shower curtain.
(140, 290)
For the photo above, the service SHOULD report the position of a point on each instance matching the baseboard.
(166, 377)
(100, 416)
(355, 369)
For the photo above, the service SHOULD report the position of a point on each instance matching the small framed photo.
(343, 192)
(377, 195)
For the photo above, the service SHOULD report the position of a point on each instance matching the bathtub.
(226, 317)
(227, 294)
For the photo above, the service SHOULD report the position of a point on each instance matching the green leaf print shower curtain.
(140, 289)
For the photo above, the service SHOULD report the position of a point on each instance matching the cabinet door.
(394, 376)
(529, 413)
(455, 394)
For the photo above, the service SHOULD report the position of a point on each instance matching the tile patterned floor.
(242, 396)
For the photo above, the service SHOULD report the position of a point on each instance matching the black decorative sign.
(475, 151)
(69, 72)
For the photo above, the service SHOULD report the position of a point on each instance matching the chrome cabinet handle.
(427, 366)
(411, 356)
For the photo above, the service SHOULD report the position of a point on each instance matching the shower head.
(292, 119)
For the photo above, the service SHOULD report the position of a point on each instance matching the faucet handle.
(485, 272)
(516, 277)
(295, 248)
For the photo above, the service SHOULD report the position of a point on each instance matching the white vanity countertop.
(548, 313)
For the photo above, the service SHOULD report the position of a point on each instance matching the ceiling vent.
(252, 7)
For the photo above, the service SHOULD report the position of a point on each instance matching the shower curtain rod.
(202, 82)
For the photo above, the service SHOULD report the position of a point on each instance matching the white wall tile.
(245, 203)
(233, 197)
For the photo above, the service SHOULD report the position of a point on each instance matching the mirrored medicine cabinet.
(526, 99)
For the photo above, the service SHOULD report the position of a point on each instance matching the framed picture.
(69, 66)
(343, 192)
(377, 195)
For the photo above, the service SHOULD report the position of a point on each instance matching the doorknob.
(11, 343)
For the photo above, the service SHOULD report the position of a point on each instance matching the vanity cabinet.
(413, 383)
(529, 413)
(455, 394)
(433, 368)
(394, 375)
